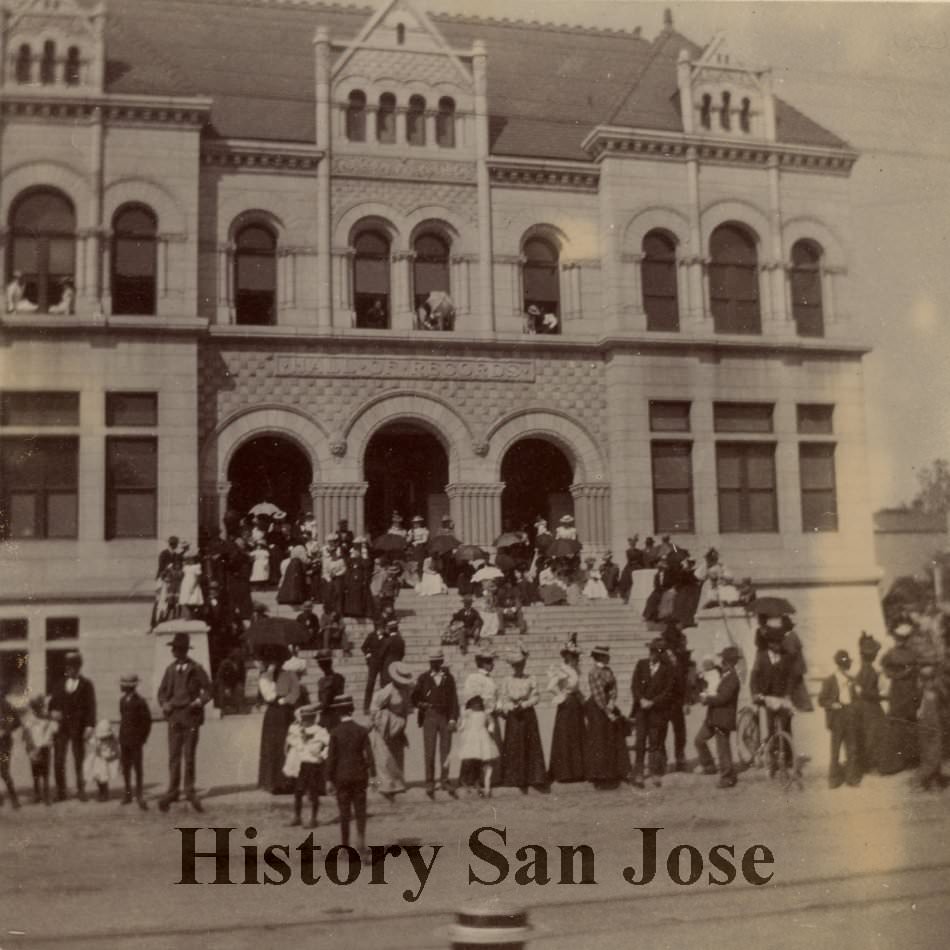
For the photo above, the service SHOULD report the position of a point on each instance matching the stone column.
(335, 500)
(781, 313)
(225, 283)
(399, 304)
(321, 47)
(592, 513)
(570, 291)
(431, 138)
(486, 293)
(343, 279)
(696, 305)
(476, 510)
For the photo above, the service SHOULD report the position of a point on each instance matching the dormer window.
(416, 121)
(386, 119)
(745, 116)
(725, 118)
(71, 69)
(48, 64)
(24, 63)
(400, 34)
(705, 111)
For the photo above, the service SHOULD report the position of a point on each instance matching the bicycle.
(775, 752)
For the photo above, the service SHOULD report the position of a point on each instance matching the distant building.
(907, 543)
(228, 219)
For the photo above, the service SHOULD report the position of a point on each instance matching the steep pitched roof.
(548, 86)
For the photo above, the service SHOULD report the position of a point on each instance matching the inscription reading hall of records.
(404, 367)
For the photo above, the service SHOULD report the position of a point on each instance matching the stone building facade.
(229, 217)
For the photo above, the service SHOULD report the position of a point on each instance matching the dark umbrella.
(443, 543)
(470, 552)
(543, 542)
(276, 632)
(390, 543)
(771, 607)
(563, 547)
(504, 562)
(510, 538)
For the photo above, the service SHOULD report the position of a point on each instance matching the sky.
(878, 75)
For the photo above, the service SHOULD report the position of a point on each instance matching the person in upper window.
(67, 300)
(375, 318)
(549, 323)
(16, 295)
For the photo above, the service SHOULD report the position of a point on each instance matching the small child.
(39, 728)
(135, 724)
(929, 734)
(477, 749)
(306, 751)
(102, 758)
(229, 683)
(9, 723)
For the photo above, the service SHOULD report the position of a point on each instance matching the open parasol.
(471, 552)
(487, 573)
(265, 508)
(771, 607)
(168, 628)
(443, 544)
(510, 538)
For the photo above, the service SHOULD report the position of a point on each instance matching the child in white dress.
(189, 595)
(101, 764)
(260, 564)
(476, 748)
(431, 583)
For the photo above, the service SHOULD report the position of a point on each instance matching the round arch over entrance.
(406, 469)
(270, 468)
(538, 476)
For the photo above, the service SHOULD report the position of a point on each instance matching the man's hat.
(418, 519)
(775, 625)
(437, 655)
(730, 653)
(296, 664)
(467, 599)
(324, 655)
(534, 310)
(73, 658)
(129, 679)
(484, 654)
(445, 519)
(180, 640)
(657, 643)
(399, 672)
(842, 656)
(342, 704)
(396, 516)
(392, 624)
(601, 651)
(173, 540)
(566, 519)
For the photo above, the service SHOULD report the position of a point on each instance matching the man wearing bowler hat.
(720, 720)
(837, 697)
(74, 698)
(652, 686)
(436, 699)
(182, 695)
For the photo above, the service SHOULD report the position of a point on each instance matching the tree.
(933, 493)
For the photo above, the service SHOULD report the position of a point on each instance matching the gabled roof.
(548, 86)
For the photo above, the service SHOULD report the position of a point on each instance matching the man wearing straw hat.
(436, 699)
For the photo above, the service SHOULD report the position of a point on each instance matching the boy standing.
(135, 724)
(349, 768)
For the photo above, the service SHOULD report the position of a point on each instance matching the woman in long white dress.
(594, 589)
(189, 594)
(477, 748)
(260, 564)
(431, 583)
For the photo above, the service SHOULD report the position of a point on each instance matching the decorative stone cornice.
(545, 175)
(190, 112)
(290, 158)
(474, 489)
(676, 146)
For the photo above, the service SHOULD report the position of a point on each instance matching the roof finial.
(667, 19)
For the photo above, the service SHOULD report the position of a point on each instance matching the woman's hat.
(601, 651)
(571, 646)
(518, 655)
(296, 664)
(868, 647)
(566, 519)
(129, 679)
(396, 516)
(399, 672)
(418, 519)
(534, 310)
(902, 630)
(103, 729)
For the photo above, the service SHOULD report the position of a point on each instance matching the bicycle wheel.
(748, 734)
(780, 758)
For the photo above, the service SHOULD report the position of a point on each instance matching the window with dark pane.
(542, 290)
(725, 113)
(13, 671)
(56, 666)
(48, 64)
(371, 280)
(816, 461)
(734, 281)
(356, 116)
(416, 121)
(745, 116)
(255, 276)
(745, 475)
(39, 479)
(62, 628)
(131, 487)
(742, 416)
(705, 111)
(14, 628)
(658, 277)
(25, 408)
(386, 119)
(672, 487)
(24, 64)
(445, 123)
(43, 246)
(430, 269)
(815, 418)
(72, 67)
(131, 409)
(805, 279)
(134, 260)
(669, 416)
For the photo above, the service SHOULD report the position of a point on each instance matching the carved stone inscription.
(404, 367)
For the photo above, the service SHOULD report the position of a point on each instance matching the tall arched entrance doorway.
(538, 478)
(269, 468)
(406, 469)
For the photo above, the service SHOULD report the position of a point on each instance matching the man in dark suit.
(330, 687)
(393, 651)
(135, 724)
(168, 556)
(436, 699)
(349, 769)
(468, 622)
(184, 691)
(771, 681)
(837, 698)
(652, 686)
(720, 721)
(308, 619)
(75, 700)
(372, 650)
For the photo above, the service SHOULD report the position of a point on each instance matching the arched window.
(356, 116)
(24, 63)
(745, 116)
(725, 116)
(371, 280)
(386, 119)
(734, 281)
(255, 276)
(430, 269)
(705, 111)
(134, 260)
(48, 64)
(542, 292)
(71, 69)
(401, 34)
(416, 121)
(806, 289)
(658, 276)
(445, 123)
(43, 249)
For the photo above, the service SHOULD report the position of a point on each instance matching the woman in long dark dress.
(870, 714)
(238, 567)
(686, 599)
(607, 759)
(522, 758)
(567, 742)
(899, 665)
(355, 586)
(279, 686)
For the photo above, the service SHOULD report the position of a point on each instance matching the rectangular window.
(55, 667)
(131, 488)
(13, 670)
(62, 628)
(816, 462)
(39, 409)
(745, 474)
(669, 416)
(742, 417)
(672, 487)
(131, 409)
(14, 629)
(39, 479)
(815, 419)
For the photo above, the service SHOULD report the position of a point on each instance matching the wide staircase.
(423, 619)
